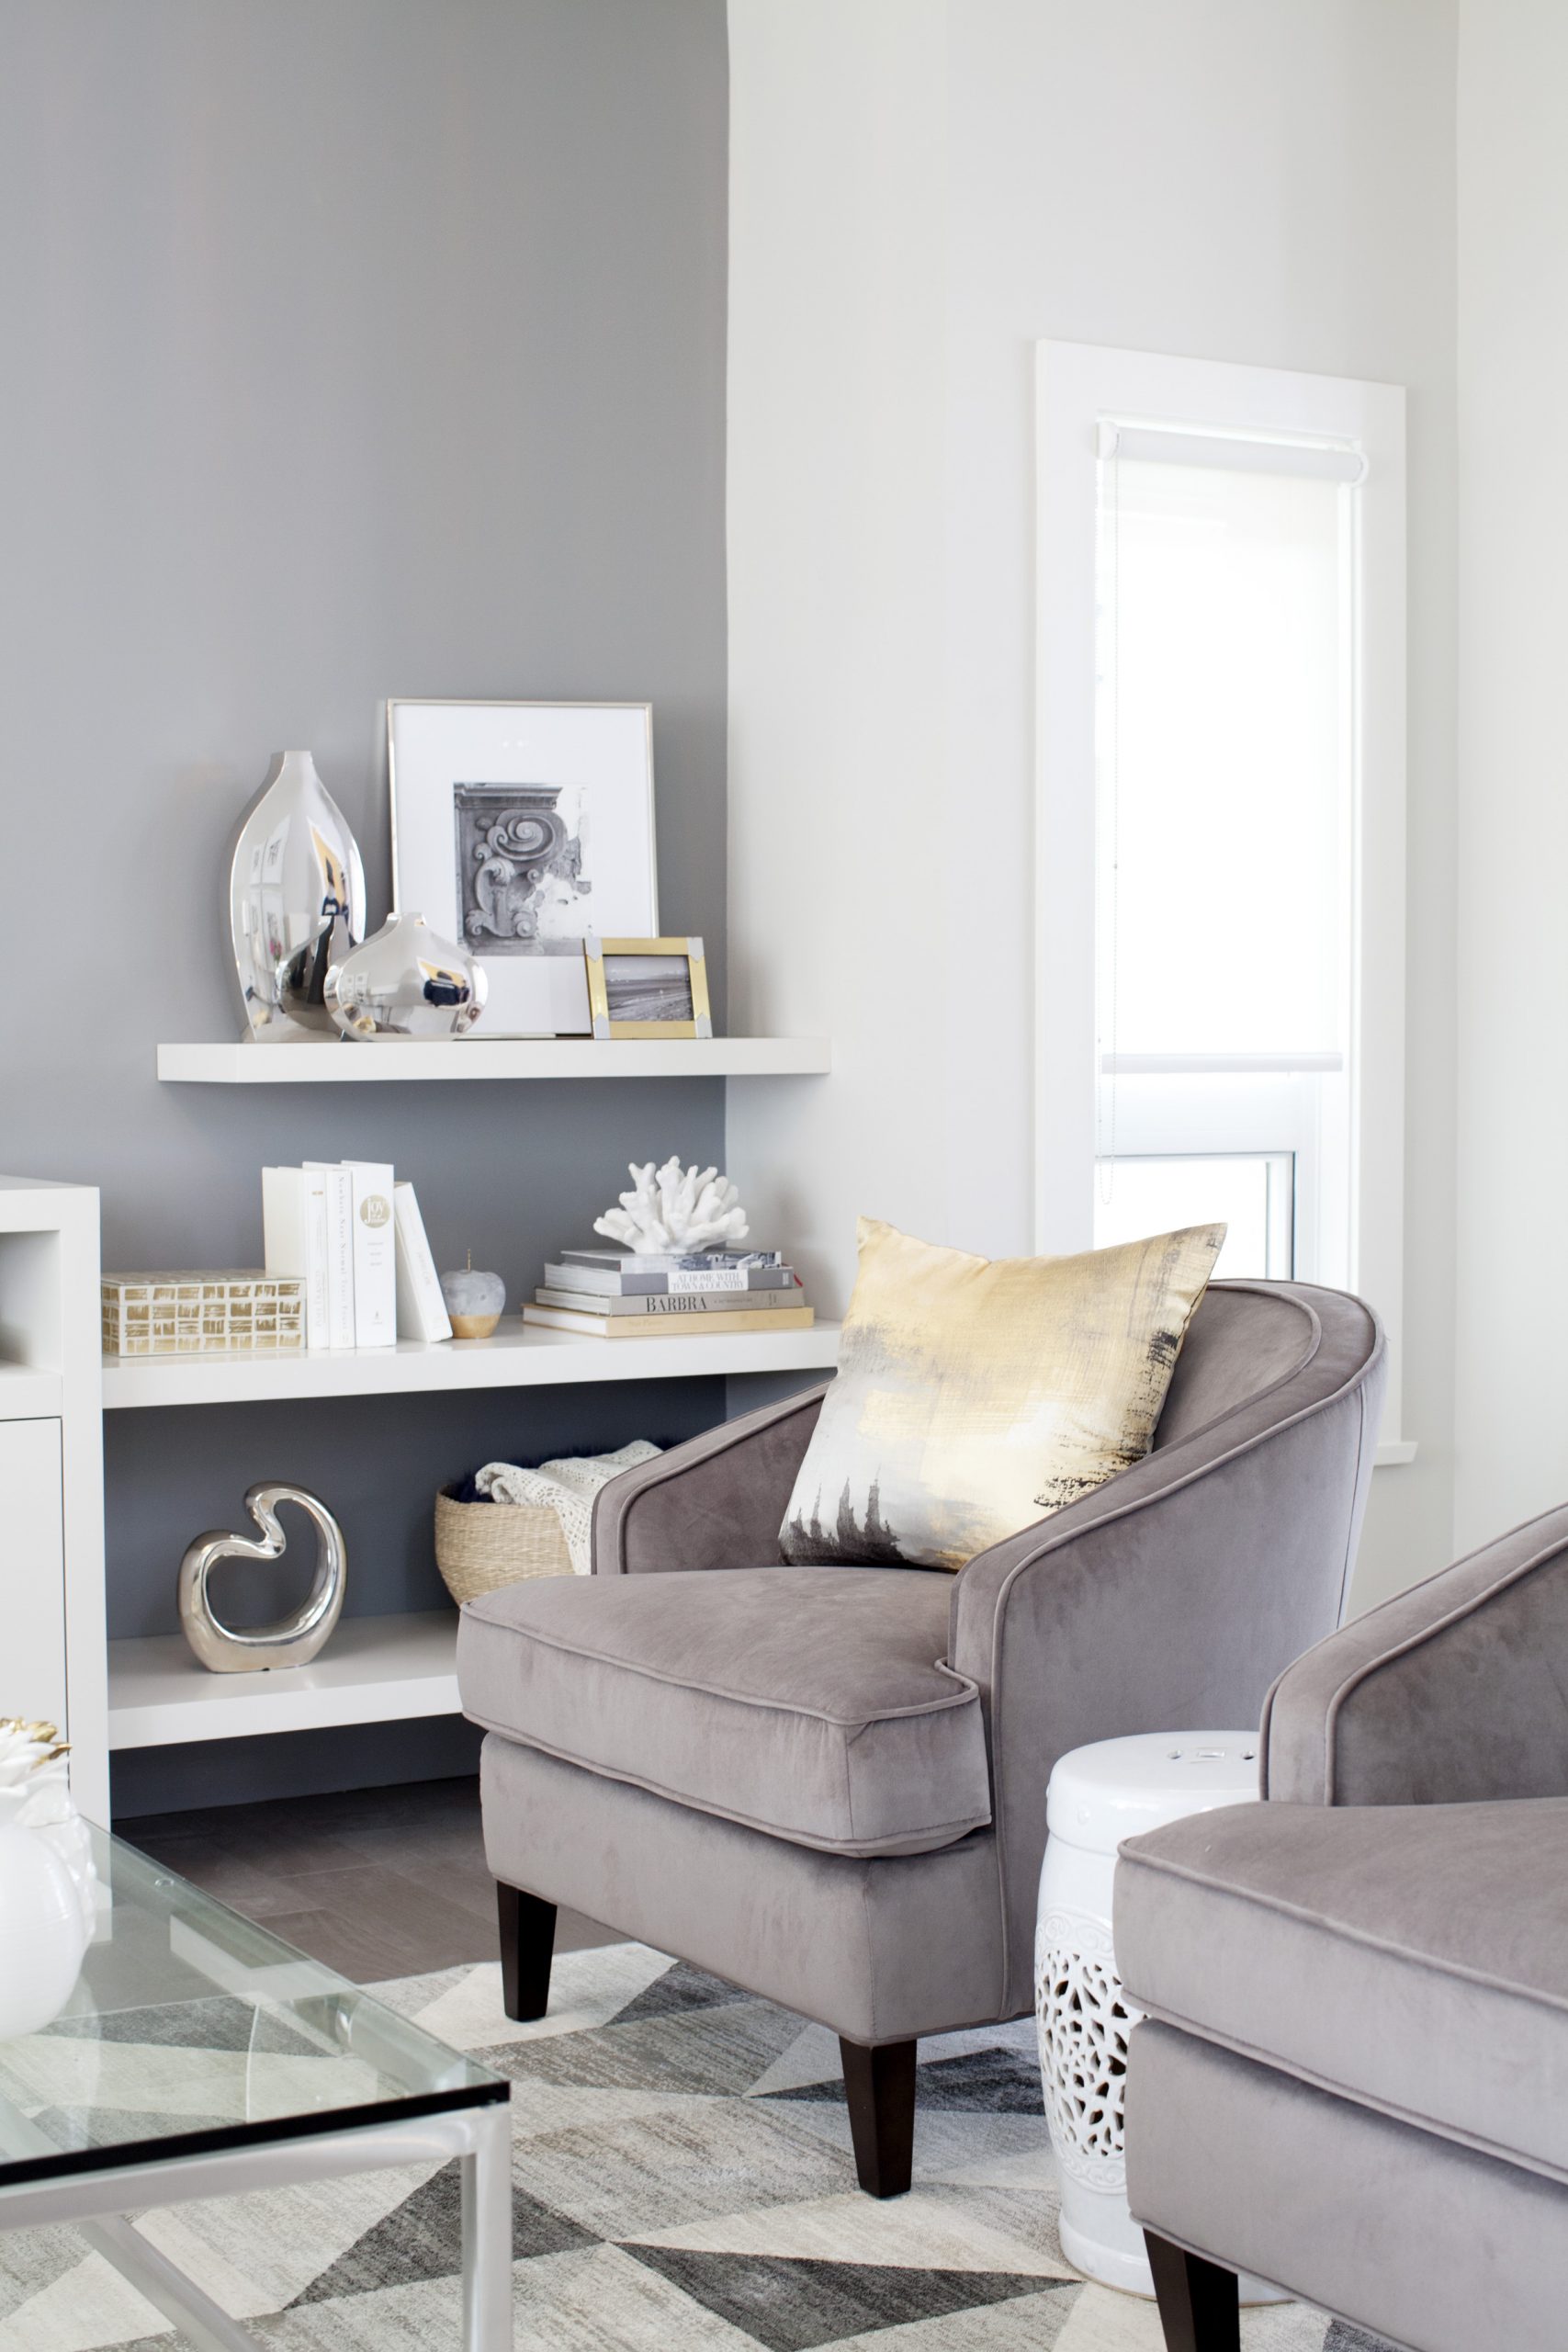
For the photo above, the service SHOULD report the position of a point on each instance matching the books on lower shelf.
(621, 1274)
(294, 1221)
(649, 1327)
(422, 1310)
(355, 1237)
(671, 1307)
(375, 1264)
(336, 1192)
(625, 1294)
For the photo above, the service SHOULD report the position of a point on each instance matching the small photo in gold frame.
(647, 988)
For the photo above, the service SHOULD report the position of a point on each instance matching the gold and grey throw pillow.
(977, 1394)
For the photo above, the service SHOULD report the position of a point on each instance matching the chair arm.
(1454, 1693)
(714, 1502)
(1165, 1601)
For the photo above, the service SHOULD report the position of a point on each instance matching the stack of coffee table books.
(625, 1294)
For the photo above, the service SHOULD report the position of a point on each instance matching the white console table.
(52, 1662)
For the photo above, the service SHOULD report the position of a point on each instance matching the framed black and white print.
(521, 829)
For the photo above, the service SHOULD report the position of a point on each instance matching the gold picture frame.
(638, 984)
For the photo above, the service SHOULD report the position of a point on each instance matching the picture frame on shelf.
(647, 988)
(521, 828)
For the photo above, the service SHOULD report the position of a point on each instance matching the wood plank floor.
(377, 1882)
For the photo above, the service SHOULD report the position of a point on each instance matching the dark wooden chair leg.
(527, 1947)
(1198, 2308)
(880, 2086)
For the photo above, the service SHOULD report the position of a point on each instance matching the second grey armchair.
(1352, 2076)
(828, 1784)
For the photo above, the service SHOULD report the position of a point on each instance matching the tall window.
(1226, 653)
(1219, 1007)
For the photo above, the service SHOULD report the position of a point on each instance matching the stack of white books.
(630, 1294)
(356, 1238)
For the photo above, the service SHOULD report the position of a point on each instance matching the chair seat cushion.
(812, 1703)
(1413, 1957)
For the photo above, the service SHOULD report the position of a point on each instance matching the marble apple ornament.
(474, 1301)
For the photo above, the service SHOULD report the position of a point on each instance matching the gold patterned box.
(203, 1314)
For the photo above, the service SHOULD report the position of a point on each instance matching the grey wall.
(350, 350)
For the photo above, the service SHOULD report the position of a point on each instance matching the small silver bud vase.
(406, 981)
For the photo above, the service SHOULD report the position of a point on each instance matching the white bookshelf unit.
(378, 1670)
(55, 1386)
(52, 1560)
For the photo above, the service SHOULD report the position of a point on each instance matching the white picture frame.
(519, 829)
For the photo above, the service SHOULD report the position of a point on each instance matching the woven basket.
(481, 1546)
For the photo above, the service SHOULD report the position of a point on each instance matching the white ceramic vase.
(1097, 1796)
(43, 1932)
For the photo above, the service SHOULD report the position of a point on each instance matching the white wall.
(1512, 1416)
(919, 192)
(837, 631)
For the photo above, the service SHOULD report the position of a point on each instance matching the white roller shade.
(1236, 453)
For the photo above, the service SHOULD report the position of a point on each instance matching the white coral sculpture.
(675, 1210)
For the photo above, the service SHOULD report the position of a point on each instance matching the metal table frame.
(96, 2202)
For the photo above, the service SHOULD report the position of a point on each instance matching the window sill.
(1394, 1450)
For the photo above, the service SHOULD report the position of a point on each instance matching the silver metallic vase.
(406, 981)
(295, 901)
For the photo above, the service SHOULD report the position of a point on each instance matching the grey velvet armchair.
(828, 1784)
(1353, 2077)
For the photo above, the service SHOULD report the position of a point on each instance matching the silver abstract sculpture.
(293, 1640)
(295, 901)
(405, 981)
(675, 1209)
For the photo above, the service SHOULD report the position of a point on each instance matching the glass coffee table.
(219, 2060)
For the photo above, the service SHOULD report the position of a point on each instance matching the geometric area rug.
(681, 2182)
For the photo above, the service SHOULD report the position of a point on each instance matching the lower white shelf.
(520, 1355)
(375, 1669)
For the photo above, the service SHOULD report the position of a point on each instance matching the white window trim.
(1077, 386)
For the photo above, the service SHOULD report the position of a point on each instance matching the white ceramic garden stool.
(1097, 1796)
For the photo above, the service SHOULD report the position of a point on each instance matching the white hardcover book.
(375, 1254)
(422, 1310)
(338, 1207)
(294, 1223)
(283, 1220)
(671, 1306)
(652, 1327)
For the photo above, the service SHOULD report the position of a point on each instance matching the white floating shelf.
(520, 1355)
(375, 1669)
(337, 1062)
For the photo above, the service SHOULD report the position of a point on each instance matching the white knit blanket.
(567, 1488)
